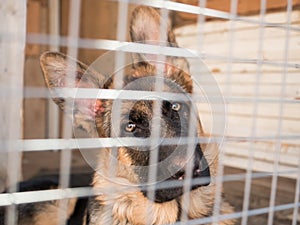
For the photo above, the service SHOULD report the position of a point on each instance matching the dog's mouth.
(180, 182)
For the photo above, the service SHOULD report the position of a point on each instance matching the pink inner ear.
(90, 108)
(98, 107)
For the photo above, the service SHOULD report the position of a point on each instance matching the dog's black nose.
(200, 169)
(179, 175)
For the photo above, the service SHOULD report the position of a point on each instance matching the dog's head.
(139, 118)
(172, 151)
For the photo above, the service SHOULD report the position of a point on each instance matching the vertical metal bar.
(297, 195)
(189, 167)
(192, 122)
(66, 155)
(54, 30)
(121, 36)
(155, 129)
(281, 112)
(251, 148)
(200, 26)
(156, 126)
(74, 22)
(220, 170)
(118, 82)
(12, 46)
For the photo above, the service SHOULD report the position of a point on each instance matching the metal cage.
(252, 54)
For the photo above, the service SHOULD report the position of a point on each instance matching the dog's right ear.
(61, 71)
(145, 26)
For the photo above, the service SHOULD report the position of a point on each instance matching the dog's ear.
(146, 24)
(61, 71)
(145, 28)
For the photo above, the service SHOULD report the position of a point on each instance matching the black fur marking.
(179, 210)
(77, 218)
(38, 184)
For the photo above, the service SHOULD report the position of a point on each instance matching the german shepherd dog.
(127, 194)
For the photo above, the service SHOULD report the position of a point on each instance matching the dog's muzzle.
(176, 184)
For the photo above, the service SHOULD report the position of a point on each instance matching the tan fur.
(129, 206)
(123, 199)
(50, 213)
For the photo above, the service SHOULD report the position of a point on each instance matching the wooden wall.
(244, 8)
(252, 81)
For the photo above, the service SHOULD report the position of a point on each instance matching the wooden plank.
(248, 89)
(34, 109)
(250, 29)
(242, 126)
(224, 26)
(245, 7)
(248, 7)
(12, 45)
(260, 166)
(246, 44)
(33, 25)
(94, 24)
(219, 69)
(291, 111)
(264, 151)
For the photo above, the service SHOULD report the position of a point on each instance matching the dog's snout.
(200, 168)
(181, 173)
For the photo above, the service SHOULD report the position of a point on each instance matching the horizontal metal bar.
(45, 195)
(90, 93)
(44, 39)
(57, 194)
(88, 143)
(103, 44)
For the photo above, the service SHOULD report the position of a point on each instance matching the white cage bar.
(260, 149)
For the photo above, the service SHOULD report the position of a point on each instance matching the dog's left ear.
(145, 28)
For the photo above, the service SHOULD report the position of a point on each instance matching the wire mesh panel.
(172, 112)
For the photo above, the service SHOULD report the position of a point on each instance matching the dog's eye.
(176, 106)
(130, 127)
